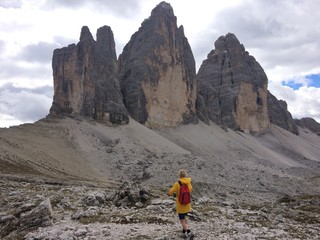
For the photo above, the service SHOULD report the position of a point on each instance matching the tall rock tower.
(85, 80)
(232, 88)
(157, 72)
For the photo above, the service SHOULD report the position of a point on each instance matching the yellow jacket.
(176, 189)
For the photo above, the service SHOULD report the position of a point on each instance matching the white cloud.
(283, 31)
(123, 9)
(8, 121)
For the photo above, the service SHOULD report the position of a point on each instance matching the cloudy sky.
(283, 36)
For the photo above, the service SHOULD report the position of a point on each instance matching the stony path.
(46, 211)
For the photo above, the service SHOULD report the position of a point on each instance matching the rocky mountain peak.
(155, 80)
(228, 42)
(85, 34)
(163, 8)
(157, 72)
(232, 88)
(105, 42)
(85, 80)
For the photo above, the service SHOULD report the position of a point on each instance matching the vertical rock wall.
(157, 72)
(232, 88)
(155, 81)
(85, 80)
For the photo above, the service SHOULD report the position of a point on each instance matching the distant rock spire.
(85, 34)
(232, 88)
(105, 42)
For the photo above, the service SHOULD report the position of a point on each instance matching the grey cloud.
(63, 41)
(40, 52)
(44, 90)
(254, 23)
(201, 47)
(123, 8)
(11, 69)
(25, 104)
(10, 3)
(276, 33)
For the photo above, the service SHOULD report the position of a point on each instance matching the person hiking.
(181, 208)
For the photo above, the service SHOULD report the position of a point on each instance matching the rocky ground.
(76, 179)
(56, 210)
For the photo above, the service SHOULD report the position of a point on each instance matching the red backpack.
(184, 197)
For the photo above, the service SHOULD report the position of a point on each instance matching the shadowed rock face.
(85, 80)
(279, 115)
(157, 72)
(309, 123)
(232, 88)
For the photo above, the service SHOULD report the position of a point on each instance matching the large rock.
(15, 227)
(85, 80)
(232, 88)
(157, 72)
(279, 114)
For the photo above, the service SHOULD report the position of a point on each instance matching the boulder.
(14, 228)
(38, 217)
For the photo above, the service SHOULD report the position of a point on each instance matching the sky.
(283, 36)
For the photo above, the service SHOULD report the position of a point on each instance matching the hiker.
(182, 209)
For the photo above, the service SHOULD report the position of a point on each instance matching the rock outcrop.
(157, 72)
(154, 80)
(279, 114)
(23, 220)
(232, 88)
(309, 123)
(85, 80)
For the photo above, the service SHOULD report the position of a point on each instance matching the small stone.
(80, 232)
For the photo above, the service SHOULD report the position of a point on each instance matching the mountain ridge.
(154, 80)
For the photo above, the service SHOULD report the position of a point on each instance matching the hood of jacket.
(185, 180)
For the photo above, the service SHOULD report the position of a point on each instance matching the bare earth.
(240, 180)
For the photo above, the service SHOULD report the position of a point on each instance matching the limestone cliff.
(232, 88)
(85, 80)
(279, 114)
(157, 72)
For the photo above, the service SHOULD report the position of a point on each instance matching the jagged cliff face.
(232, 88)
(279, 114)
(85, 79)
(157, 72)
(154, 80)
